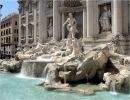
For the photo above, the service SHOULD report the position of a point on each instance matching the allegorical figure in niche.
(50, 28)
(104, 20)
(71, 25)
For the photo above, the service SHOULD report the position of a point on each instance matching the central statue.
(71, 26)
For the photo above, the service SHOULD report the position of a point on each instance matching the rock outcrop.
(11, 65)
(94, 64)
(68, 62)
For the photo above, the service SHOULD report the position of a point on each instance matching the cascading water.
(64, 75)
(35, 68)
(44, 74)
(32, 69)
(113, 88)
(46, 78)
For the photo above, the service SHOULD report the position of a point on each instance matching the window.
(2, 33)
(15, 46)
(9, 31)
(1, 26)
(2, 40)
(16, 23)
(6, 24)
(9, 40)
(17, 31)
(9, 23)
(30, 7)
(23, 12)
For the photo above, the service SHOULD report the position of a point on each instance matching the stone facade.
(9, 35)
(87, 14)
(28, 22)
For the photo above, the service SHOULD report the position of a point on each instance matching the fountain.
(71, 64)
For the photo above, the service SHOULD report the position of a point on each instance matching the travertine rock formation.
(67, 61)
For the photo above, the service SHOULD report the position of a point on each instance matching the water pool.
(15, 88)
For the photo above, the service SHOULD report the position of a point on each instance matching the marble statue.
(50, 28)
(104, 20)
(71, 25)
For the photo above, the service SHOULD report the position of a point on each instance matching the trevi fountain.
(68, 69)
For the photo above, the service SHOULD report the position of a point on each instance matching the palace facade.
(97, 21)
(9, 36)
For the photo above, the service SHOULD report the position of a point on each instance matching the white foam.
(113, 93)
(27, 77)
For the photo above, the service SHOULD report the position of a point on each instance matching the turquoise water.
(15, 88)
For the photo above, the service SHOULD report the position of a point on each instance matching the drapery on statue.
(71, 25)
(104, 20)
(50, 28)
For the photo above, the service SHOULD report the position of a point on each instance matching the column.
(27, 30)
(90, 15)
(35, 23)
(84, 23)
(63, 30)
(20, 29)
(63, 20)
(117, 17)
(56, 20)
(125, 16)
(129, 15)
(42, 22)
(129, 22)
